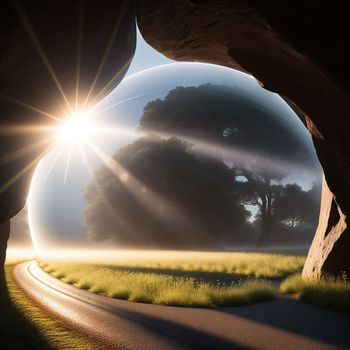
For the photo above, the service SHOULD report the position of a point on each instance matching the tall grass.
(241, 263)
(326, 292)
(162, 277)
(157, 288)
(147, 278)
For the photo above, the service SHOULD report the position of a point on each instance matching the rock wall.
(296, 49)
(332, 224)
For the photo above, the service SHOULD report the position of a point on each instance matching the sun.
(75, 129)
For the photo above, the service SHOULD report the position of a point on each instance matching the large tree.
(159, 193)
(227, 119)
(230, 116)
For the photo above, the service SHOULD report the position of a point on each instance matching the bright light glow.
(75, 130)
(14, 255)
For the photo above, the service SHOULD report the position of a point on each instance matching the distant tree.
(185, 200)
(259, 188)
(288, 205)
(294, 206)
(312, 203)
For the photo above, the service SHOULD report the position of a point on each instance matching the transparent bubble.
(153, 164)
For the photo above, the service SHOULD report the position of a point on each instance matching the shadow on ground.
(16, 331)
(216, 278)
(184, 336)
(289, 316)
(300, 318)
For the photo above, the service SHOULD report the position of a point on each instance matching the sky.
(145, 57)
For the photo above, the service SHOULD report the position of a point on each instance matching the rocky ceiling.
(295, 48)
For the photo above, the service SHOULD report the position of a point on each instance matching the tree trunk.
(266, 214)
(265, 235)
(293, 222)
(329, 251)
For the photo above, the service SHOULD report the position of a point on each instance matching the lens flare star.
(75, 130)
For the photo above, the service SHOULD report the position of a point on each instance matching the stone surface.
(332, 224)
(293, 48)
(44, 48)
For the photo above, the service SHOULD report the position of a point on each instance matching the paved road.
(281, 324)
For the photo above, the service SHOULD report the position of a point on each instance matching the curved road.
(279, 324)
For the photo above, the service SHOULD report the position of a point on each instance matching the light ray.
(152, 202)
(27, 105)
(59, 153)
(117, 104)
(100, 192)
(103, 90)
(235, 155)
(23, 151)
(28, 26)
(26, 169)
(116, 130)
(107, 51)
(79, 49)
(26, 129)
(67, 165)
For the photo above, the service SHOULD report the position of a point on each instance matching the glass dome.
(156, 159)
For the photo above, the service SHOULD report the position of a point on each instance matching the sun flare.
(75, 130)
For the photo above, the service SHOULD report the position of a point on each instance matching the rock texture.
(47, 49)
(294, 48)
(331, 225)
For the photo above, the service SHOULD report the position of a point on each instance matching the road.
(281, 324)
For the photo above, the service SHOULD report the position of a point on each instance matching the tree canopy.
(190, 199)
(226, 115)
(295, 206)
(175, 195)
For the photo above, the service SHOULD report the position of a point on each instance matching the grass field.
(326, 292)
(247, 264)
(178, 278)
(24, 325)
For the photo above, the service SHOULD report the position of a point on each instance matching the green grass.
(157, 288)
(161, 277)
(240, 263)
(24, 325)
(326, 292)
